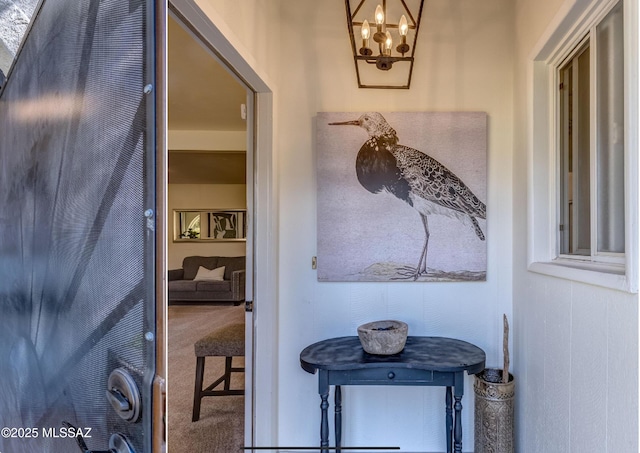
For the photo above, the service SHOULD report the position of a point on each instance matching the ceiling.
(202, 96)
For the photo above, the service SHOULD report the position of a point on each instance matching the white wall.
(203, 196)
(464, 64)
(576, 350)
(453, 72)
(307, 51)
(575, 345)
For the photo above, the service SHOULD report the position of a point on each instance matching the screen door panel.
(76, 229)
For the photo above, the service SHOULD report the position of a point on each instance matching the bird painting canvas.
(402, 196)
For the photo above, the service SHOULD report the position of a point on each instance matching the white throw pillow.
(206, 274)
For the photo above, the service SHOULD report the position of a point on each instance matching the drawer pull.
(391, 375)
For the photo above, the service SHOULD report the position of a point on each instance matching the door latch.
(123, 395)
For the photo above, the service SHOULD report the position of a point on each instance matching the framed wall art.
(222, 225)
(402, 196)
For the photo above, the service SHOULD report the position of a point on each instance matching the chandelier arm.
(372, 60)
(357, 9)
(415, 38)
(411, 27)
(409, 12)
(384, 9)
(350, 26)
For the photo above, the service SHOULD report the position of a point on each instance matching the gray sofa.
(183, 288)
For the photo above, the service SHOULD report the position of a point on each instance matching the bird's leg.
(421, 269)
(422, 264)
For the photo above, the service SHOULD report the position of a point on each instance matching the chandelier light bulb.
(379, 15)
(403, 26)
(366, 31)
(403, 29)
(387, 44)
(379, 36)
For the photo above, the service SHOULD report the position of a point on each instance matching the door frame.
(159, 395)
(261, 334)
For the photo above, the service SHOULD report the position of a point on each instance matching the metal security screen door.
(77, 231)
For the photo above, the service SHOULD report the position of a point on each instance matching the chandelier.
(379, 42)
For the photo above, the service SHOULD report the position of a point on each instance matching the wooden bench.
(227, 342)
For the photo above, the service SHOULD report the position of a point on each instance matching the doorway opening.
(261, 335)
(209, 204)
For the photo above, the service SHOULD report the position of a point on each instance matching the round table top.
(425, 353)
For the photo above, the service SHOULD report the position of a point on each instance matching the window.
(583, 148)
(591, 145)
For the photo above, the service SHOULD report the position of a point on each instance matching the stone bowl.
(383, 337)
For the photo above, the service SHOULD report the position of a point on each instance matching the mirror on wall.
(209, 225)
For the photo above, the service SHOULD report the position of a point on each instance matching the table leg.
(449, 418)
(457, 433)
(338, 417)
(324, 423)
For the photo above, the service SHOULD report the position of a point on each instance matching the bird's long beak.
(346, 123)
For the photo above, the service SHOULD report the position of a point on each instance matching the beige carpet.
(221, 425)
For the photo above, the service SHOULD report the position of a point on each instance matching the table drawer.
(382, 376)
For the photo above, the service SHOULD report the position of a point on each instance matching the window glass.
(610, 132)
(575, 153)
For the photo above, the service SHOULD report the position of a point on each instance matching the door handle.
(117, 400)
(123, 395)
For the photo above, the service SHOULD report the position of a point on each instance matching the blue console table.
(425, 361)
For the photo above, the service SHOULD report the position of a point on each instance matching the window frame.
(565, 34)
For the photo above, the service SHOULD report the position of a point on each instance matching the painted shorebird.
(414, 177)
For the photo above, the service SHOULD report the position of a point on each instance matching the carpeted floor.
(221, 425)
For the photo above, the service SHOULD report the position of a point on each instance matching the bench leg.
(197, 392)
(227, 373)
